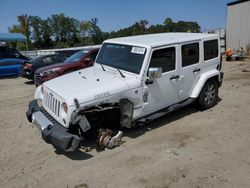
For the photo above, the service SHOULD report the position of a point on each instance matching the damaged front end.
(102, 121)
(106, 115)
(52, 132)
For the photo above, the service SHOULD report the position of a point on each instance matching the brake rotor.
(104, 137)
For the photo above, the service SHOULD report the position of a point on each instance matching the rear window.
(210, 49)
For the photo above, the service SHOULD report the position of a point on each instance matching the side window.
(54, 59)
(47, 60)
(190, 54)
(164, 58)
(59, 59)
(93, 55)
(210, 49)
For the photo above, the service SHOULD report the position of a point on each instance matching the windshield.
(75, 57)
(124, 57)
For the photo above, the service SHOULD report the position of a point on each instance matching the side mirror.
(154, 72)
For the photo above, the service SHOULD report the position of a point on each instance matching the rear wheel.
(209, 95)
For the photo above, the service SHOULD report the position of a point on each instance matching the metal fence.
(35, 53)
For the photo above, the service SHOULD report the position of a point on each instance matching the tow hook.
(107, 139)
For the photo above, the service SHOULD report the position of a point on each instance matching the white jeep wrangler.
(134, 80)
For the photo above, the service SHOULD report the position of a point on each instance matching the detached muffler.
(107, 139)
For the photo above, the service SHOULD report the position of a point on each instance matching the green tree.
(46, 34)
(95, 32)
(158, 28)
(59, 30)
(143, 24)
(170, 25)
(183, 26)
(24, 28)
(72, 31)
(84, 32)
(24, 21)
(58, 27)
(138, 28)
(14, 29)
(36, 24)
(64, 30)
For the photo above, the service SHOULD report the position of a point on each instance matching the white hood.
(88, 84)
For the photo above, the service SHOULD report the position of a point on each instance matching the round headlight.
(65, 107)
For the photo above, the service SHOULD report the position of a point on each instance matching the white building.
(238, 25)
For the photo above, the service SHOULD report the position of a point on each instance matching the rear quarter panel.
(208, 68)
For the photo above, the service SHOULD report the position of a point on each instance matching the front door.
(162, 92)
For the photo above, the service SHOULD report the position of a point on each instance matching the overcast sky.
(116, 14)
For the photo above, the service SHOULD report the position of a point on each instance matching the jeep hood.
(88, 85)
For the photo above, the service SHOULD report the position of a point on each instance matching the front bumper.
(52, 132)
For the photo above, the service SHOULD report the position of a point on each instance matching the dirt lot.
(187, 148)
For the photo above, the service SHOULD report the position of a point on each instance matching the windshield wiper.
(102, 67)
(122, 75)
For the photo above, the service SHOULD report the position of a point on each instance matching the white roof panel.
(160, 39)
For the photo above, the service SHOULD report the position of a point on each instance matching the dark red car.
(79, 60)
(29, 67)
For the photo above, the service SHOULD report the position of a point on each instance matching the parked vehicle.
(30, 67)
(79, 60)
(6, 52)
(10, 67)
(10, 62)
(134, 80)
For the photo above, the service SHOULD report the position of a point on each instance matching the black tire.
(209, 95)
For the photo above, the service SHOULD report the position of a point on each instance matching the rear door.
(163, 91)
(190, 68)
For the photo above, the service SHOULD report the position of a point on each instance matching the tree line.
(60, 31)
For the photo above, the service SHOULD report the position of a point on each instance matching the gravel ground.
(187, 148)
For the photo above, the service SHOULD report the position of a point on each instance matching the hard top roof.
(160, 39)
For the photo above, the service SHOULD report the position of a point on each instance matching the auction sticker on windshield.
(138, 50)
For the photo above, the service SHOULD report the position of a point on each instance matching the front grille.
(50, 118)
(51, 104)
(37, 79)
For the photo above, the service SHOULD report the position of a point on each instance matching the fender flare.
(201, 82)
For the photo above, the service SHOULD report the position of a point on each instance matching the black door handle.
(196, 70)
(174, 77)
